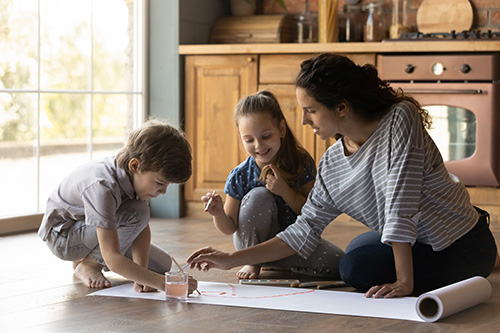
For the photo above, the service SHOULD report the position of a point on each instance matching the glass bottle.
(352, 24)
(399, 19)
(375, 27)
(307, 26)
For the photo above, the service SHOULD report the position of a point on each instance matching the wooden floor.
(39, 294)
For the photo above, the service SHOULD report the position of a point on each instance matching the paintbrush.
(182, 269)
(318, 284)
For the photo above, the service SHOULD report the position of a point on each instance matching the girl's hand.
(216, 207)
(207, 258)
(140, 288)
(275, 183)
(388, 290)
(192, 285)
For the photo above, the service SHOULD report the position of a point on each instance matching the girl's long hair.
(291, 157)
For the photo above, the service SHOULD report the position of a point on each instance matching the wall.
(172, 22)
(486, 12)
(163, 85)
(196, 18)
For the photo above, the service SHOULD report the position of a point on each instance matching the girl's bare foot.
(248, 272)
(89, 272)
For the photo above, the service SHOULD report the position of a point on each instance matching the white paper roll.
(454, 298)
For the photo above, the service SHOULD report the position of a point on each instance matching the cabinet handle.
(250, 59)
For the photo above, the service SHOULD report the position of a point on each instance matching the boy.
(99, 214)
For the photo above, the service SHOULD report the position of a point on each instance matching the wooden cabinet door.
(213, 87)
(293, 114)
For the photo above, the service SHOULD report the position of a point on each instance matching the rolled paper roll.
(454, 298)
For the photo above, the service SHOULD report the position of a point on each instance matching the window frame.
(31, 221)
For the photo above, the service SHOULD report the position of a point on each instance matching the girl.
(386, 172)
(266, 192)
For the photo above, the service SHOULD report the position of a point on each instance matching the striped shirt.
(396, 184)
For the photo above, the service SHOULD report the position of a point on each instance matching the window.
(71, 89)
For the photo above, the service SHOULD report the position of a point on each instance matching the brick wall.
(486, 12)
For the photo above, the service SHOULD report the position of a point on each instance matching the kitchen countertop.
(378, 47)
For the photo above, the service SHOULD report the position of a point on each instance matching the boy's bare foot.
(248, 272)
(89, 272)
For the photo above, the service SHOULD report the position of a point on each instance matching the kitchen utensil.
(327, 17)
(444, 16)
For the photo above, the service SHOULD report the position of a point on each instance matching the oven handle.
(445, 91)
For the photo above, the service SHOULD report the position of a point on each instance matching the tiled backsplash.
(486, 12)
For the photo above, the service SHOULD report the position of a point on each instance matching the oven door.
(466, 127)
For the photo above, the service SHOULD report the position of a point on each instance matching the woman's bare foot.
(89, 272)
(248, 272)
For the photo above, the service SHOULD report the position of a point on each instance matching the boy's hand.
(192, 285)
(140, 288)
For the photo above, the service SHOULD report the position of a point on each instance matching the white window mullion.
(91, 80)
(38, 111)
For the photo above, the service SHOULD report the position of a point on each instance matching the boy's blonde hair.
(159, 147)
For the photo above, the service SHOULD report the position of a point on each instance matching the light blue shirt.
(93, 192)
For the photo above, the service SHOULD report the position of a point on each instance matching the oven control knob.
(409, 68)
(465, 68)
(438, 68)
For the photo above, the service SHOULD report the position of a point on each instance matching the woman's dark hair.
(291, 157)
(332, 78)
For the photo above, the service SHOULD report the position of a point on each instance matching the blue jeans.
(368, 262)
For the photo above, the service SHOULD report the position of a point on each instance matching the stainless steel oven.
(462, 94)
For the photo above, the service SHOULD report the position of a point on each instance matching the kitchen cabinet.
(213, 86)
(218, 75)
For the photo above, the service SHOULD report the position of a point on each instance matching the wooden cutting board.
(444, 16)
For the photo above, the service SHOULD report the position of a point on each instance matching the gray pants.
(80, 240)
(258, 222)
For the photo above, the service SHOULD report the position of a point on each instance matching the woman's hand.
(388, 290)
(207, 258)
(192, 285)
(403, 263)
(140, 288)
(275, 183)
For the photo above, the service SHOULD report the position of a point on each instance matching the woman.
(386, 172)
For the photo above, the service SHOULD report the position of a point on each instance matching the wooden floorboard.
(40, 294)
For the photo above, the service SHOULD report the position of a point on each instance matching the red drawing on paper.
(233, 294)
